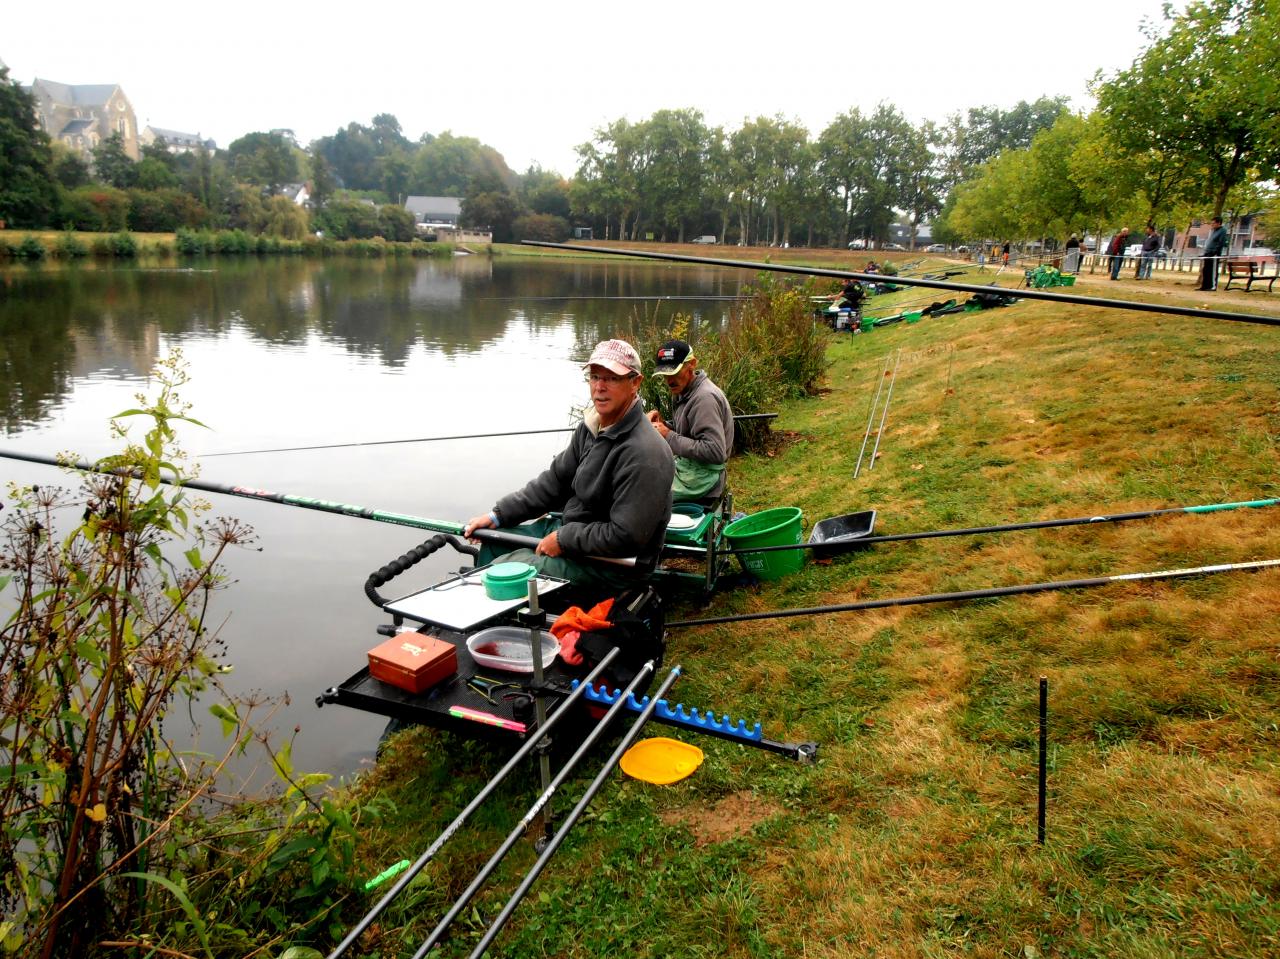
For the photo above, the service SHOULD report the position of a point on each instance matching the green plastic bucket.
(774, 527)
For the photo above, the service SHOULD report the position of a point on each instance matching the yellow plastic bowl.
(661, 761)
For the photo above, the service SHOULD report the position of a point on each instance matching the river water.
(295, 352)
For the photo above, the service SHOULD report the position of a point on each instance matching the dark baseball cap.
(671, 357)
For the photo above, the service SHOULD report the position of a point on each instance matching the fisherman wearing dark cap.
(701, 432)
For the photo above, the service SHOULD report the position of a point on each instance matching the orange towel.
(574, 618)
(569, 648)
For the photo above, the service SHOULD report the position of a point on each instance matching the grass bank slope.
(914, 835)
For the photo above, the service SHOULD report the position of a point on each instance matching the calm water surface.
(286, 353)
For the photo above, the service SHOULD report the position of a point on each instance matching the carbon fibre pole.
(527, 747)
(307, 502)
(968, 594)
(1259, 319)
(536, 870)
(740, 418)
(545, 797)
(1003, 528)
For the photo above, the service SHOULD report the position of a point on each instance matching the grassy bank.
(914, 835)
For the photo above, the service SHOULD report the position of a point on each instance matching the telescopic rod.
(536, 870)
(642, 676)
(527, 747)
(934, 284)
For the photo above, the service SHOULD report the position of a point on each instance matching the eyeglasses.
(608, 379)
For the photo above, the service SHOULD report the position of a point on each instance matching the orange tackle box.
(413, 661)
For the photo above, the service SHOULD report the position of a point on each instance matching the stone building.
(83, 115)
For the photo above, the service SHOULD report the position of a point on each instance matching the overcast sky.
(534, 80)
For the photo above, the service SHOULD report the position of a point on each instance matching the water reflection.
(61, 322)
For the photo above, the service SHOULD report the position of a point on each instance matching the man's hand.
(549, 545)
(475, 523)
(656, 419)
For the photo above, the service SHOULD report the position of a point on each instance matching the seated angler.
(701, 432)
(611, 486)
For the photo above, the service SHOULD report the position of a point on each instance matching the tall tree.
(985, 132)
(27, 190)
(263, 159)
(112, 165)
(673, 179)
(544, 192)
(1204, 93)
(919, 187)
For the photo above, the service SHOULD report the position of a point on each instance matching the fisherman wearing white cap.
(611, 484)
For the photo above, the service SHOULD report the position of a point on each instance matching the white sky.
(534, 80)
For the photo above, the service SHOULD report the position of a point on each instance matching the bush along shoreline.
(72, 245)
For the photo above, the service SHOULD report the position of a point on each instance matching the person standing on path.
(1150, 247)
(1212, 253)
(1115, 250)
(1072, 262)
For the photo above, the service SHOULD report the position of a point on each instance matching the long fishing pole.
(741, 418)
(541, 863)
(1006, 527)
(324, 506)
(527, 747)
(540, 299)
(544, 797)
(1032, 294)
(965, 595)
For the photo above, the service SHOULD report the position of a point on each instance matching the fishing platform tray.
(483, 695)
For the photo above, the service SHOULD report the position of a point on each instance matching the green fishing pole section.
(759, 265)
(267, 496)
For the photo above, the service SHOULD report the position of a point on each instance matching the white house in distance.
(437, 216)
(432, 211)
(176, 141)
(299, 193)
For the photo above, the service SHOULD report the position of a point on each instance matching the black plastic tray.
(840, 534)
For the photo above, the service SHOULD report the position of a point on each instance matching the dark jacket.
(613, 489)
(1217, 242)
(1151, 243)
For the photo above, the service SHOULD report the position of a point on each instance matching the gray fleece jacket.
(613, 487)
(703, 423)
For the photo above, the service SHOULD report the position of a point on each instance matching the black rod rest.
(411, 559)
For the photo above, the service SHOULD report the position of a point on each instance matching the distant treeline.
(1187, 131)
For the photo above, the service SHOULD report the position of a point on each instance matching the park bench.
(1248, 271)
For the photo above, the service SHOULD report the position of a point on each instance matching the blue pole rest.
(691, 717)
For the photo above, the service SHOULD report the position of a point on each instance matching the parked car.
(857, 244)
(705, 238)
(893, 246)
(962, 249)
(936, 248)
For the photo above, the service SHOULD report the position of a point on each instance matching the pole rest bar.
(694, 719)
(663, 711)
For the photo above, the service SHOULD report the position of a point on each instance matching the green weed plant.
(107, 839)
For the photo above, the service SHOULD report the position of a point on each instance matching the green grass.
(914, 835)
